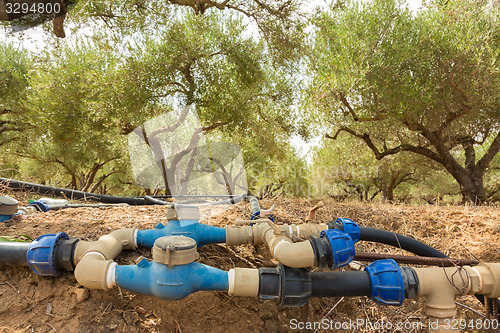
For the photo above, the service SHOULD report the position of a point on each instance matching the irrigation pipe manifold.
(174, 274)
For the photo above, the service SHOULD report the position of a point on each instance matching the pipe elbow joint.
(296, 255)
(92, 271)
(108, 245)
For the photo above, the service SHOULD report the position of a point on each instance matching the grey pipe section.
(13, 253)
(254, 205)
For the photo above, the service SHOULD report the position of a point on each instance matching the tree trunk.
(470, 176)
(472, 188)
(388, 193)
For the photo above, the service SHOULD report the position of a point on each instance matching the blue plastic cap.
(342, 247)
(4, 218)
(351, 227)
(41, 254)
(387, 282)
(40, 206)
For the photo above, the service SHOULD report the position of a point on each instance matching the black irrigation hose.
(70, 194)
(400, 241)
(408, 244)
(337, 284)
(13, 253)
(110, 199)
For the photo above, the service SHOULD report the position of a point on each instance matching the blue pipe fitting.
(155, 279)
(203, 234)
(40, 206)
(255, 215)
(387, 282)
(4, 218)
(41, 254)
(350, 227)
(342, 247)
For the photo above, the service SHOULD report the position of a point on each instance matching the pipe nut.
(490, 278)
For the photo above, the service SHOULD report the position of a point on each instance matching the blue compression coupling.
(40, 206)
(342, 247)
(387, 282)
(203, 234)
(41, 254)
(155, 279)
(350, 227)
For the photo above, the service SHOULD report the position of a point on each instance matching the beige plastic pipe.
(94, 260)
(108, 245)
(92, 271)
(297, 255)
(279, 240)
(243, 282)
(440, 286)
(255, 234)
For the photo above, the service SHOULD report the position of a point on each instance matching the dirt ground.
(31, 303)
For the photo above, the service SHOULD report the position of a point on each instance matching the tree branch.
(388, 151)
(452, 117)
(344, 101)
(485, 161)
(366, 138)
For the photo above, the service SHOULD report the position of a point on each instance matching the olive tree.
(426, 82)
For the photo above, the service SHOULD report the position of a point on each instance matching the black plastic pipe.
(110, 199)
(337, 284)
(400, 241)
(70, 194)
(13, 253)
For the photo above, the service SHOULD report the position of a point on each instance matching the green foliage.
(280, 24)
(385, 61)
(339, 173)
(428, 82)
(85, 96)
(75, 131)
(14, 67)
(208, 61)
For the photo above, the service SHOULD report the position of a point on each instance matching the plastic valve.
(351, 227)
